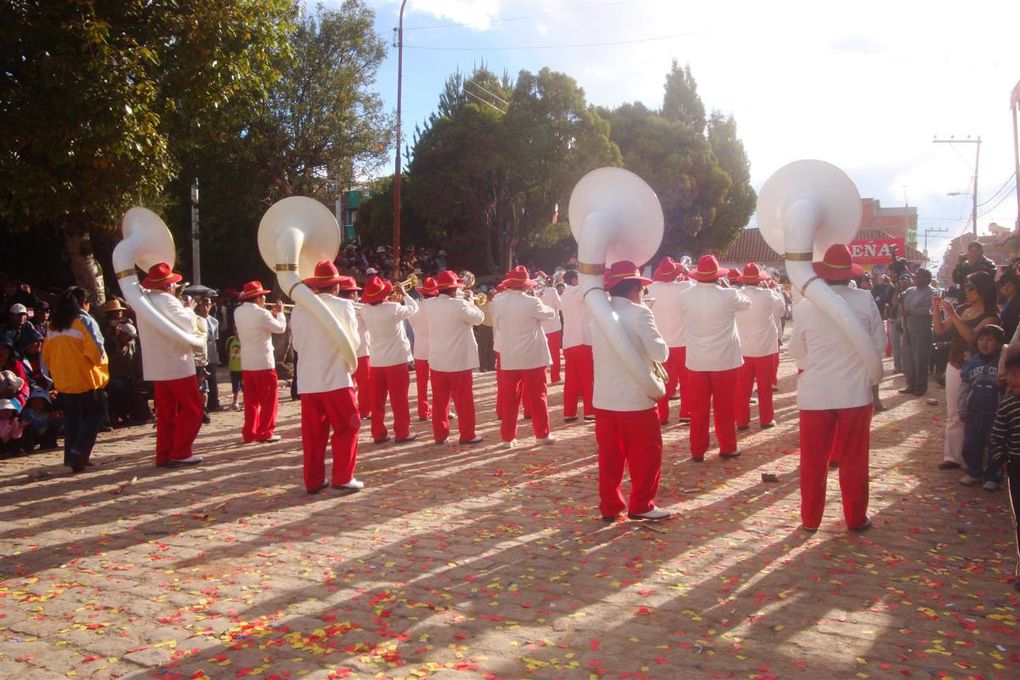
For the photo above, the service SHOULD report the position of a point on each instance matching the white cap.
(18, 308)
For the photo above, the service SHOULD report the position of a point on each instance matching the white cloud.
(474, 14)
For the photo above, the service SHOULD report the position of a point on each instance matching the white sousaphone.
(804, 208)
(295, 234)
(147, 242)
(615, 215)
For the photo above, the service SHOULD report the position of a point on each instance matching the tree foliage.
(739, 202)
(681, 101)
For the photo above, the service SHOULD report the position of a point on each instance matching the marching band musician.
(420, 351)
(759, 345)
(326, 387)
(349, 290)
(627, 427)
(255, 327)
(834, 394)
(389, 351)
(171, 369)
(578, 364)
(518, 318)
(453, 357)
(713, 356)
(665, 288)
(552, 328)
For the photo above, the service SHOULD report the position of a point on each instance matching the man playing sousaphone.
(170, 367)
(326, 387)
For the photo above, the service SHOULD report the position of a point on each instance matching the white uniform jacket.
(387, 341)
(255, 326)
(420, 325)
(517, 320)
(550, 298)
(576, 324)
(710, 327)
(452, 343)
(757, 325)
(615, 390)
(320, 367)
(666, 309)
(164, 359)
(362, 332)
(834, 376)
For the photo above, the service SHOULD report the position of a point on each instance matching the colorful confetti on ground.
(482, 562)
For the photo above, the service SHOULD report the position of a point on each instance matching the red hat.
(668, 270)
(837, 265)
(349, 283)
(518, 278)
(429, 287)
(326, 275)
(376, 290)
(252, 290)
(734, 276)
(160, 276)
(448, 279)
(752, 274)
(708, 269)
(501, 286)
(621, 271)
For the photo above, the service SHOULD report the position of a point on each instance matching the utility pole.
(1014, 105)
(932, 230)
(196, 264)
(977, 160)
(396, 171)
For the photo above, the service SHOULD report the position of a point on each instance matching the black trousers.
(1013, 473)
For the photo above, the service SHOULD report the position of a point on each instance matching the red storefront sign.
(876, 251)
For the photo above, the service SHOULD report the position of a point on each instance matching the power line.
(491, 94)
(992, 197)
(1004, 197)
(554, 47)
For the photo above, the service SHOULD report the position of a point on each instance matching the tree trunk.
(86, 269)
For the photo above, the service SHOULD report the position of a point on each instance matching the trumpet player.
(171, 368)
(255, 327)
(326, 388)
(389, 353)
(552, 328)
(517, 323)
(420, 351)
(627, 427)
(579, 369)
(665, 289)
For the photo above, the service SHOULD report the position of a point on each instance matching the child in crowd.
(11, 427)
(234, 363)
(978, 401)
(42, 424)
(1004, 444)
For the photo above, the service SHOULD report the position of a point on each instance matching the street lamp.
(396, 171)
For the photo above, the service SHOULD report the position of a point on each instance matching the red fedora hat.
(429, 288)
(752, 275)
(837, 265)
(708, 269)
(734, 276)
(518, 278)
(448, 279)
(160, 276)
(621, 271)
(376, 290)
(252, 290)
(325, 275)
(668, 270)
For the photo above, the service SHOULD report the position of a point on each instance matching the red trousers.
(421, 381)
(460, 386)
(363, 381)
(501, 396)
(531, 384)
(554, 339)
(260, 404)
(178, 418)
(579, 380)
(320, 412)
(775, 366)
(712, 391)
(755, 371)
(848, 432)
(392, 382)
(676, 378)
(631, 438)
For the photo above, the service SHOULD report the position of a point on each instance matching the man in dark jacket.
(973, 261)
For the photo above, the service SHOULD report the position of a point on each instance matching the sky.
(866, 85)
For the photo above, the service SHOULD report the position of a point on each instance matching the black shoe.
(862, 527)
(381, 441)
(569, 419)
(743, 427)
(318, 489)
(949, 465)
(206, 419)
(409, 438)
(906, 390)
(77, 462)
(732, 454)
(186, 462)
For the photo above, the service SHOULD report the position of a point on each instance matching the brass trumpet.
(410, 282)
(480, 299)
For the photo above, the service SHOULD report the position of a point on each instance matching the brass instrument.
(407, 284)
(480, 299)
(467, 277)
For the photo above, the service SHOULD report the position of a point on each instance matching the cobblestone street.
(472, 562)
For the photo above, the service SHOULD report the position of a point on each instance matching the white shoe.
(353, 485)
(656, 513)
(512, 444)
(545, 441)
(990, 486)
(270, 439)
(967, 480)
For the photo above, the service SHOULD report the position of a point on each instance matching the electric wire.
(993, 196)
(1004, 197)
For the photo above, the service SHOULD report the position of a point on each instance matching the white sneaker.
(353, 485)
(545, 441)
(512, 444)
(967, 480)
(990, 486)
(656, 513)
(270, 439)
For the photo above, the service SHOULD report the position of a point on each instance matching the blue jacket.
(979, 385)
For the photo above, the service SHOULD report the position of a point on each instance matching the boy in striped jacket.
(1004, 443)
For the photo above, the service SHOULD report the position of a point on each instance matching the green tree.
(738, 203)
(681, 101)
(98, 98)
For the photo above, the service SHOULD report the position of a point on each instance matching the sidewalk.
(479, 562)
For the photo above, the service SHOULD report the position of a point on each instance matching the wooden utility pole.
(977, 161)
